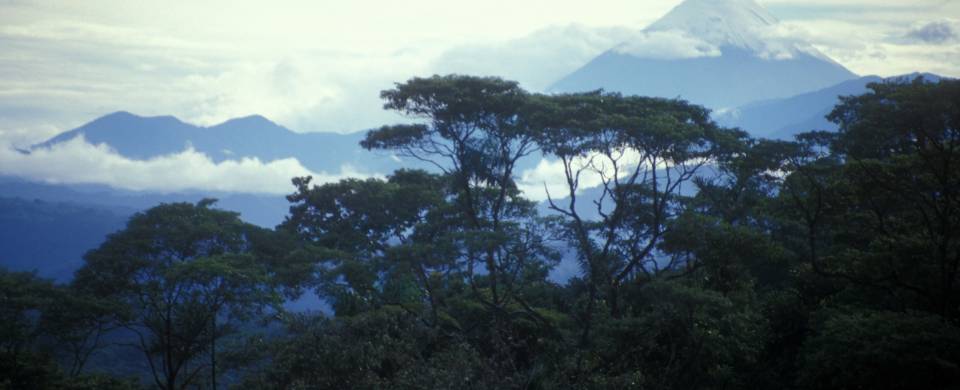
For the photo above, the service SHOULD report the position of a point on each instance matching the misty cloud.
(77, 161)
(937, 32)
(875, 48)
(538, 59)
(782, 41)
(667, 45)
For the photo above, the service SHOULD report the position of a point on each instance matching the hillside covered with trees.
(708, 259)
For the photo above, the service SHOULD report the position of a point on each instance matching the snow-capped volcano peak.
(709, 28)
(718, 53)
(735, 23)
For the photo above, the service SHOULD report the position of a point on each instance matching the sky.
(319, 65)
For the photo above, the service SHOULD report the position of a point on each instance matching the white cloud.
(77, 161)
(538, 59)
(875, 48)
(785, 40)
(549, 178)
(937, 32)
(667, 45)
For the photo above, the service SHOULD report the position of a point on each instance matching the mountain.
(141, 138)
(262, 210)
(51, 237)
(718, 53)
(782, 118)
(48, 227)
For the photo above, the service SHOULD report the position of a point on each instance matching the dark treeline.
(708, 259)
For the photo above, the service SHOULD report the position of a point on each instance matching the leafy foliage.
(709, 260)
(180, 274)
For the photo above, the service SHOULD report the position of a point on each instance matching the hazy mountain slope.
(48, 227)
(263, 210)
(782, 118)
(51, 237)
(766, 118)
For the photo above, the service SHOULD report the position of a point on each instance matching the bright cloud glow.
(77, 161)
(548, 178)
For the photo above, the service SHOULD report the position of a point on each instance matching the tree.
(383, 348)
(41, 321)
(182, 273)
(23, 299)
(747, 175)
(474, 131)
(401, 243)
(902, 146)
(878, 200)
(640, 151)
(881, 350)
(78, 323)
(356, 226)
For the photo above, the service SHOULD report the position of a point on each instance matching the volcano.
(717, 53)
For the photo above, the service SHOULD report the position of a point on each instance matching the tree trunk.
(213, 352)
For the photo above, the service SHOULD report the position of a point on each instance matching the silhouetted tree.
(182, 273)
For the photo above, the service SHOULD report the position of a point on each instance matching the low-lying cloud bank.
(79, 162)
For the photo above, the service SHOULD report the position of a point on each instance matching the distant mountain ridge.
(782, 118)
(733, 59)
(263, 210)
(141, 138)
(48, 227)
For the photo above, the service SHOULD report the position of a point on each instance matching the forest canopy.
(707, 259)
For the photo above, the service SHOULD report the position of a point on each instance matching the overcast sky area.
(319, 65)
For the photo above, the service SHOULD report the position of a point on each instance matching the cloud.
(783, 41)
(335, 91)
(538, 59)
(548, 176)
(77, 161)
(212, 60)
(937, 32)
(667, 45)
(776, 42)
(870, 47)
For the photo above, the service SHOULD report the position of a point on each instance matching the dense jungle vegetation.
(707, 259)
